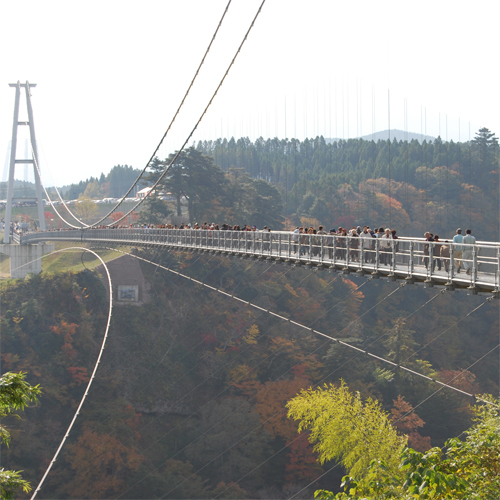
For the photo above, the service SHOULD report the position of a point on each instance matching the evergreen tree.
(196, 179)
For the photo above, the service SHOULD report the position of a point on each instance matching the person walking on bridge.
(427, 251)
(386, 247)
(444, 253)
(457, 249)
(366, 244)
(321, 239)
(468, 250)
(436, 253)
(295, 239)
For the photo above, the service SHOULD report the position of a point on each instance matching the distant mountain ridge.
(399, 135)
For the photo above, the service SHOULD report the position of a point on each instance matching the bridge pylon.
(14, 161)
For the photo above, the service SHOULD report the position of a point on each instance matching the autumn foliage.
(189, 400)
(407, 422)
(105, 478)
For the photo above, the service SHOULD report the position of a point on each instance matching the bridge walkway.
(409, 259)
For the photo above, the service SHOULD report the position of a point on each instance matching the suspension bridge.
(332, 253)
(409, 259)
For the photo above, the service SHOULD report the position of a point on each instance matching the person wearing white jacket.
(366, 244)
(386, 248)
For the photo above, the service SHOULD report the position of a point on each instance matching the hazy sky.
(110, 74)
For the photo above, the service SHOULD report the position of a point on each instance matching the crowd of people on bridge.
(354, 243)
(308, 240)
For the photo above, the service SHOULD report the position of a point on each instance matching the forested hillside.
(411, 186)
(189, 400)
(113, 185)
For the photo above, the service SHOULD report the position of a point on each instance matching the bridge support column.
(25, 259)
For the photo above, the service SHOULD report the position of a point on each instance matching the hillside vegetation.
(190, 397)
(411, 186)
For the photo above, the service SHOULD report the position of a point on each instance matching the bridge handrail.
(402, 257)
(63, 234)
(404, 238)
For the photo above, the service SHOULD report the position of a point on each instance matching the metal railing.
(476, 267)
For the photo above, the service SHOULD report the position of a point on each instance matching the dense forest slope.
(189, 400)
(411, 186)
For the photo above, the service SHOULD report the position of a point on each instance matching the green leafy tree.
(253, 201)
(477, 459)
(93, 191)
(267, 206)
(467, 469)
(119, 179)
(485, 152)
(15, 394)
(485, 145)
(346, 428)
(85, 208)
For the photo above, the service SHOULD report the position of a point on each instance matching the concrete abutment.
(25, 259)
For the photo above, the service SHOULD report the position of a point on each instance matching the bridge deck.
(409, 259)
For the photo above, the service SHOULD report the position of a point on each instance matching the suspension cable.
(411, 411)
(443, 385)
(185, 395)
(317, 332)
(161, 141)
(77, 412)
(52, 204)
(174, 159)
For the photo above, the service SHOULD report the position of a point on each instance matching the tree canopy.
(433, 184)
(15, 394)
(346, 428)
(210, 194)
(381, 466)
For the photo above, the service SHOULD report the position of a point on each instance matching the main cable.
(264, 310)
(317, 332)
(185, 395)
(162, 139)
(77, 412)
(174, 159)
